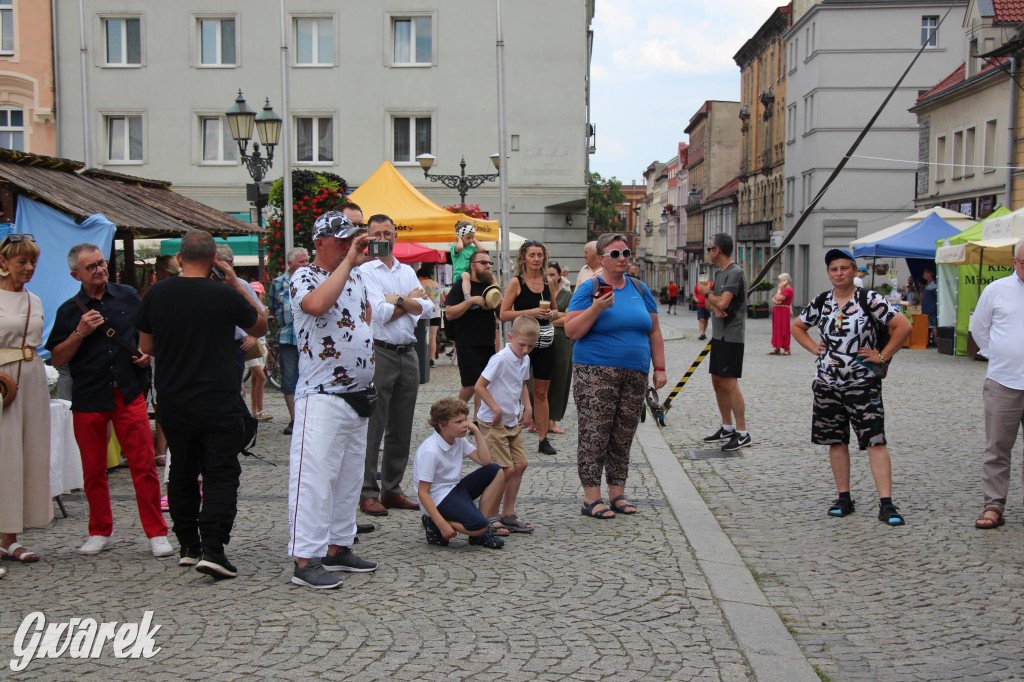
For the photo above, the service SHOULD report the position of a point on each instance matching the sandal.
(487, 540)
(987, 522)
(624, 507)
(263, 416)
(774, 351)
(785, 352)
(11, 554)
(516, 524)
(434, 536)
(498, 528)
(588, 510)
(557, 430)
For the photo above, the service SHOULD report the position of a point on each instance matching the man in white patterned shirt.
(333, 400)
(398, 302)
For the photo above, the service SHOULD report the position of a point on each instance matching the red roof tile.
(732, 187)
(1008, 11)
(958, 76)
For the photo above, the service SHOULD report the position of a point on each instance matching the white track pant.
(326, 474)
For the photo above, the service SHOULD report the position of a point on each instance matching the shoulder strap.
(595, 283)
(819, 300)
(108, 331)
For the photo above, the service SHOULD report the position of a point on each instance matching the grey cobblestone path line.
(935, 599)
(579, 599)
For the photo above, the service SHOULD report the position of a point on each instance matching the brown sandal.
(987, 522)
(775, 351)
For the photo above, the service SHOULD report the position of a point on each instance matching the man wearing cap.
(398, 302)
(333, 400)
(726, 299)
(847, 387)
(474, 319)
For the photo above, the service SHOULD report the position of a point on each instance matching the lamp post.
(241, 120)
(461, 183)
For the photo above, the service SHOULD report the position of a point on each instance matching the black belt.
(403, 348)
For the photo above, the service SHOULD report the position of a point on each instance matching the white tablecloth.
(65, 460)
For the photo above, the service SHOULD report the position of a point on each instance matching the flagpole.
(503, 226)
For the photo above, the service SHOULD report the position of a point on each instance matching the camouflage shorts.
(837, 407)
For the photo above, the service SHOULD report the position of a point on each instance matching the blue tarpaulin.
(56, 233)
(917, 241)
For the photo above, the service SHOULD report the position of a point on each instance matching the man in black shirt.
(475, 336)
(94, 333)
(188, 322)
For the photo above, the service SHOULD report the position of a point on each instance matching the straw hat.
(492, 297)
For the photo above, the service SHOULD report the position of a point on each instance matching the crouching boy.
(447, 501)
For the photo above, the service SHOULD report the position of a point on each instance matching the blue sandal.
(623, 508)
(606, 513)
(434, 536)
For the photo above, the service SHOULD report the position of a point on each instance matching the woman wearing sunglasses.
(532, 292)
(25, 429)
(617, 336)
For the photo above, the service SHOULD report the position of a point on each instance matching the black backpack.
(880, 330)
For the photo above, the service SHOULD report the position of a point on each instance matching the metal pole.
(261, 250)
(503, 226)
(286, 142)
(83, 52)
(462, 182)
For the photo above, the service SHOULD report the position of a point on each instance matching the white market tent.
(957, 220)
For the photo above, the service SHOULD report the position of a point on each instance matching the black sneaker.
(434, 536)
(890, 514)
(314, 575)
(720, 435)
(346, 560)
(841, 507)
(189, 556)
(736, 442)
(544, 447)
(288, 429)
(702, 337)
(365, 528)
(216, 565)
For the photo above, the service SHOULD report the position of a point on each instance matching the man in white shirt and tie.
(398, 303)
(998, 328)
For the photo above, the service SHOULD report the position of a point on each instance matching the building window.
(412, 136)
(413, 40)
(12, 129)
(958, 154)
(314, 41)
(217, 42)
(940, 158)
(969, 152)
(124, 41)
(808, 113)
(6, 27)
(929, 31)
(989, 160)
(217, 144)
(794, 54)
(314, 139)
(124, 139)
(808, 182)
(791, 124)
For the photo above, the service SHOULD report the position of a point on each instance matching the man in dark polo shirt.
(188, 322)
(94, 333)
(475, 324)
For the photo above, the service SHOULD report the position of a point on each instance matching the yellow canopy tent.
(417, 218)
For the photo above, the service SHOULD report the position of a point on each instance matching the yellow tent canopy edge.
(416, 218)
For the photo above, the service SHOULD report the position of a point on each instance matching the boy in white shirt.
(447, 501)
(501, 390)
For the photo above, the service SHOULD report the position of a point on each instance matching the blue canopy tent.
(916, 244)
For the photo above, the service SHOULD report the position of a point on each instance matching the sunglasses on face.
(711, 248)
(616, 254)
(484, 262)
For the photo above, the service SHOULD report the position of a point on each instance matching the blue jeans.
(288, 361)
(458, 504)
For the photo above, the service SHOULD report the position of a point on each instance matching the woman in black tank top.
(524, 296)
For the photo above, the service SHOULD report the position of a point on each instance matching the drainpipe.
(1011, 132)
(53, 66)
(84, 66)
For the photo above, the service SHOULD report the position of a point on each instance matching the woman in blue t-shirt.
(617, 334)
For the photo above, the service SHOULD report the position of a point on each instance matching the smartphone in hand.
(379, 249)
(217, 273)
(604, 289)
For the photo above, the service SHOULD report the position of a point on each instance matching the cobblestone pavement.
(580, 599)
(935, 599)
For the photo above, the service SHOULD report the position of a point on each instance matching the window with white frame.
(794, 53)
(12, 129)
(412, 39)
(989, 159)
(940, 158)
(314, 139)
(791, 123)
(790, 196)
(929, 31)
(969, 135)
(314, 41)
(958, 154)
(123, 38)
(6, 27)
(808, 186)
(808, 113)
(124, 138)
(217, 40)
(411, 136)
(217, 145)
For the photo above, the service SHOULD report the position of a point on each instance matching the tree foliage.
(604, 200)
(313, 193)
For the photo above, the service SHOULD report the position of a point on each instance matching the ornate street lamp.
(241, 120)
(461, 183)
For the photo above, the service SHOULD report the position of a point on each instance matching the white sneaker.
(96, 544)
(160, 547)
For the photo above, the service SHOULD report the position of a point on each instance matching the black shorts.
(435, 322)
(472, 362)
(835, 408)
(542, 362)
(726, 359)
(702, 313)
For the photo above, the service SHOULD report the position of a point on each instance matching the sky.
(654, 63)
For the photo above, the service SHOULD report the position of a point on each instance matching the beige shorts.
(505, 444)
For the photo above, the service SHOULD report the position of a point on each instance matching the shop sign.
(755, 232)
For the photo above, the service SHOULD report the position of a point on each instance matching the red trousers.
(131, 425)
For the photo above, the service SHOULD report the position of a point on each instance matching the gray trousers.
(397, 378)
(1004, 415)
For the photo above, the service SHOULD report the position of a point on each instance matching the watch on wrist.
(400, 301)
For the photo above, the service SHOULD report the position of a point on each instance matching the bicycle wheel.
(273, 371)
